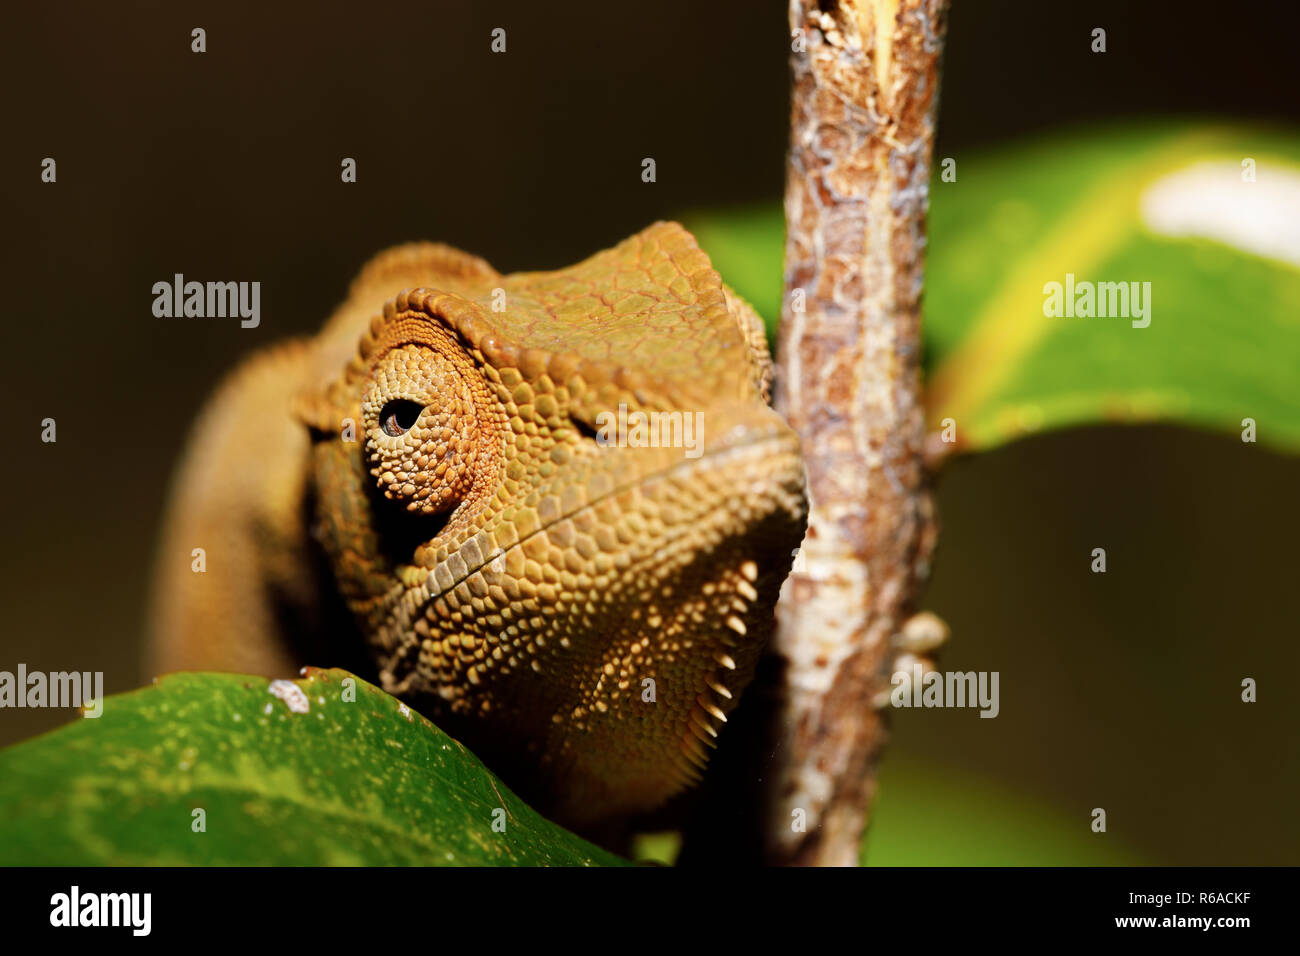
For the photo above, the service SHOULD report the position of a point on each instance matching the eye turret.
(420, 423)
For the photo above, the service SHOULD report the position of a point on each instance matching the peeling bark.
(848, 380)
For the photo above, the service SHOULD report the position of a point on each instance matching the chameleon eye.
(398, 417)
(422, 429)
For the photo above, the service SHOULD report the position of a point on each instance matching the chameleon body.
(434, 479)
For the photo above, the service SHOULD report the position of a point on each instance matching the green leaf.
(931, 816)
(359, 782)
(1223, 343)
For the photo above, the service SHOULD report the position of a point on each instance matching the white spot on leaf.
(292, 695)
(1210, 201)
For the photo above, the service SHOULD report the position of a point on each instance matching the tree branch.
(862, 130)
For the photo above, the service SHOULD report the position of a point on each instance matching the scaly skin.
(509, 572)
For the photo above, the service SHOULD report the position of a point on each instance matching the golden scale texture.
(581, 613)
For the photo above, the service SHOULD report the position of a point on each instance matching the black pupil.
(397, 417)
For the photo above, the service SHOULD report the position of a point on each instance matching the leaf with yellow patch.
(1174, 208)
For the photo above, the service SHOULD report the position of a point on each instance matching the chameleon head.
(566, 517)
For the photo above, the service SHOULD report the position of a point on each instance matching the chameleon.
(452, 484)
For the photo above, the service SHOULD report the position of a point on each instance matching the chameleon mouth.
(547, 686)
(420, 587)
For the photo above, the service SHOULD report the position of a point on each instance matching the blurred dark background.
(1118, 690)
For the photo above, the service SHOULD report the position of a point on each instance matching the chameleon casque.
(425, 481)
